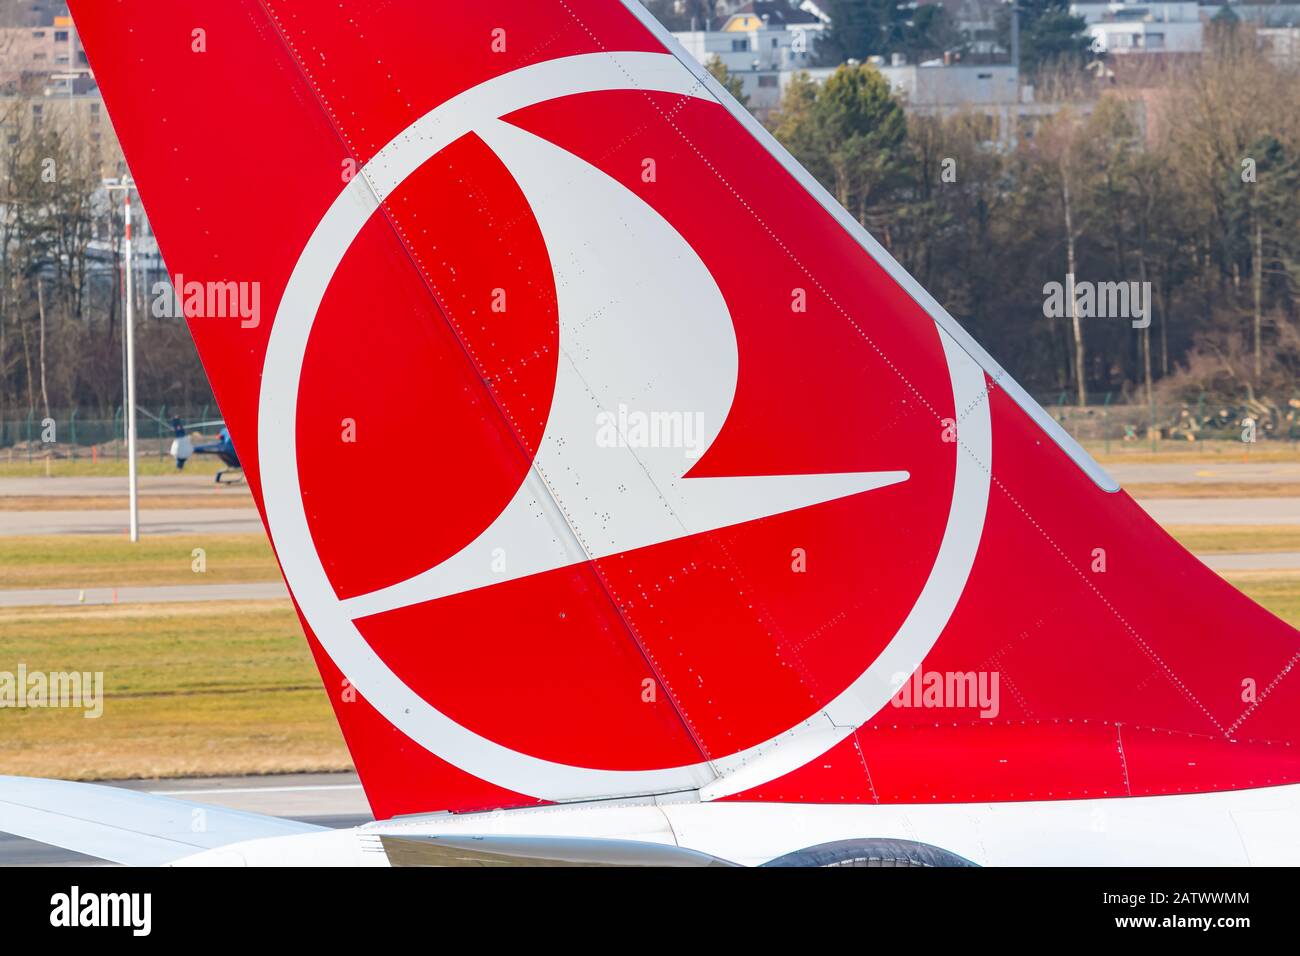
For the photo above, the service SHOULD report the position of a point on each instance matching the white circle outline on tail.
(333, 622)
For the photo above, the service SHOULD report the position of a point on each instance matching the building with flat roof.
(28, 52)
(1127, 27)
(994, 92)
(757, 57)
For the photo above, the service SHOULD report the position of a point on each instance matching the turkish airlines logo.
(581, 501)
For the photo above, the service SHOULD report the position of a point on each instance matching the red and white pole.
(128, 320)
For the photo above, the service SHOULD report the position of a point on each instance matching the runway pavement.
(162, 594)
(1181, 511)
(55, 521)
(1254, 561)
(1217, 510)
(183, 484)
(1223, 511)
(1201, 473)
(167, 521)
(326, 799)
(116, 487)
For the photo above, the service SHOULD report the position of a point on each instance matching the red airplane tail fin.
(605, 455)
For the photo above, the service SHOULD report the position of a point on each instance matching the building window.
(38, 34)
(60, 36)
(767, 81)
(739, 46)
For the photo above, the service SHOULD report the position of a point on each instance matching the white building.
(957, 86)
(757, 50)
(938, 89)
(1131, 27)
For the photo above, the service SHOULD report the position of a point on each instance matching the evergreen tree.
(1049, 33)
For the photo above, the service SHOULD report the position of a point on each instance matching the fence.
(1174, 426)
(98, 433)
(81, 433)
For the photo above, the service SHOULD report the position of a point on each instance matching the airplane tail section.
(605, 455)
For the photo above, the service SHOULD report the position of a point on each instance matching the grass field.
(188, 690)
(17, 466)
(1279, 593)
(199, 690)
(1222, 539)
(76, 561)
(223, 498)
(230, 688)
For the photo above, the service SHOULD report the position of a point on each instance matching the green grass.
(188, 690)
(1220, 539)
(211, 689)
(17, 466)
(77, 561)
(1281, 595)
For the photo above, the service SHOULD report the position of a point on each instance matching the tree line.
(1185, 182)
(61, 289)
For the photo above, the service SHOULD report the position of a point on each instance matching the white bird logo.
(642, 323)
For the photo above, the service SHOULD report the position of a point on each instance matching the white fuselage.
(1258, 827)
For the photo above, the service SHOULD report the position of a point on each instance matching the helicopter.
(183, 448)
